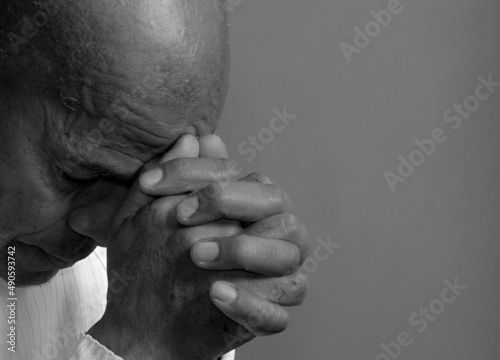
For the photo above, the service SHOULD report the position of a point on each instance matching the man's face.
(69, 152)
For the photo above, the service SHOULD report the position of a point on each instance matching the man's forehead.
(149, 90)
(113, 148)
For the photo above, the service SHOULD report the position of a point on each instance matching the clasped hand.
(216, 257)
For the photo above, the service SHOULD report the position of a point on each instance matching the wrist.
(121, 341)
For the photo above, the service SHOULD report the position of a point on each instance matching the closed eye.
(73, 180)
(69, 179)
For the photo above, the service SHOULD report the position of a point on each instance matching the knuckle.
(267, 320)
(279, 195)
(160, 210)
(180, 169)
(290, 225)
(300, 287)
(280, 327)
(259, 177)
(301, 236)
(221, 167)
(269, 329)
(257, 318)
(214, 193)
(234, 169)
(295, 289)
(305, 249)
(239, 250)
(281, 323)
(286, 199)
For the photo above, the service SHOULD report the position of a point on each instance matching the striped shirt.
(51, 319)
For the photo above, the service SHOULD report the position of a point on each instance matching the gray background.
(353, 121)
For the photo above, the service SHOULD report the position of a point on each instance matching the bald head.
(167, 53)
(38, 40)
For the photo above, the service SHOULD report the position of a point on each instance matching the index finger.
(186, 175)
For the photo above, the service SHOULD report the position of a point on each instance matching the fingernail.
(224, 293)
(151, 177)
(206, 251)
(188, 207)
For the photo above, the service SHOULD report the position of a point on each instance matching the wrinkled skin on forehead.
(108, 82)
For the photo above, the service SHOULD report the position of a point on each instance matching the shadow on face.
(117, 83)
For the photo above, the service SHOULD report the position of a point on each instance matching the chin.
(26, 279)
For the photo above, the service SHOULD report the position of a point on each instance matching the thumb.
(211, 146)
(186, 147)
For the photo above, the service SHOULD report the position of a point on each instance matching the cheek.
(28, 203)
(95, 209)
(24, 208)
